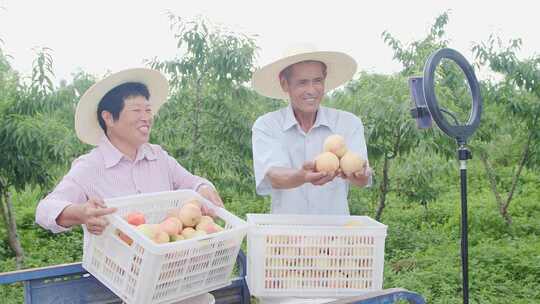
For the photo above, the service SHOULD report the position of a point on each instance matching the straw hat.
(340, 68)
(86, 121)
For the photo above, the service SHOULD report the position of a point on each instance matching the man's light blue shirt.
(279, 141)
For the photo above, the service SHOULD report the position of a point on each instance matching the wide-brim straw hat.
(86, 122)
(340, 68)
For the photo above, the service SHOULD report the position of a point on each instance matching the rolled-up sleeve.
(268, 152)
(182, 178)
(67, 192)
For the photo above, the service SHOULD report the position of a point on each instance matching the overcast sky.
(99, 36)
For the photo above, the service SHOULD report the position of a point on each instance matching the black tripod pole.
(423, 95)
(464, 154)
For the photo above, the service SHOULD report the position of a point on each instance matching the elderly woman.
(116, 116)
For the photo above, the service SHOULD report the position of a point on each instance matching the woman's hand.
(93, 215)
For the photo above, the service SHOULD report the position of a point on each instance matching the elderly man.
(116, 116)
(285, 142)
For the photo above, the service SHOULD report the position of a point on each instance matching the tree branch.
(522, 162)
(11, 225)
(384, 189)
(491, 177)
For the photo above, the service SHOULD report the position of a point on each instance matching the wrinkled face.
(305, 86)
(134, 122)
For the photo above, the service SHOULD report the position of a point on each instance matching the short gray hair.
(286, 72)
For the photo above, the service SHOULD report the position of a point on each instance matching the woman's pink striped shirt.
(106, 173)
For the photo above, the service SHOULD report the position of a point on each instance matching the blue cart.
(70, 283)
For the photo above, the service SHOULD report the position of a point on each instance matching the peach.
(147, 230)
(124, 237)
(161, 237)
(135, 218)
(208, 227)
(177, 237)
(175, 212)
(351, 163)
(206, 218)
(326, 162)
(335, 144)
(188, 233)
(190, 215)
(193, 201)
(171, 225)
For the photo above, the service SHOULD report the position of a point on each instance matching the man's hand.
(209, 193)
(360, 178)
(316, 178)
(93, 212)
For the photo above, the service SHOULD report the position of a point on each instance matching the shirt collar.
(320, 120)
(290, 120)
(146, 151)
(112, 156)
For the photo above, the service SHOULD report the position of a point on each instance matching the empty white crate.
(148, 273)
(314, 255)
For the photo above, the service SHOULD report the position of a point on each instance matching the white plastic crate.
(146, 272)
(314, 255)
